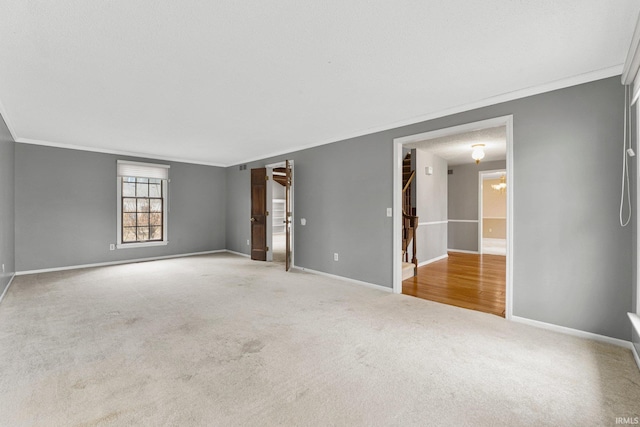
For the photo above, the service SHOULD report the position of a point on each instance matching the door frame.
(397, 192)
(270, 168)
(269, 224)
(480, 204)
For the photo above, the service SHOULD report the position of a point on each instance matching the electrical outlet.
(335, 256)
(112, 247)
(248, 242)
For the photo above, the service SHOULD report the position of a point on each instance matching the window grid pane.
(142, 215)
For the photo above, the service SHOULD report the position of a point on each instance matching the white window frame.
(165, 210)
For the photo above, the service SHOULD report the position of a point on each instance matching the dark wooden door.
(259, 214)
(287, 216)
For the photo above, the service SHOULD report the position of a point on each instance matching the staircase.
(409, 220)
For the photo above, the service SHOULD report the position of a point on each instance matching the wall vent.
(450, 172)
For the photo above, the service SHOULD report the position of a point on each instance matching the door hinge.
(266, 178)
(267, 248)
(267, 213)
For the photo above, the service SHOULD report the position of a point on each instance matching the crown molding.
(116, 152)
(509, 96)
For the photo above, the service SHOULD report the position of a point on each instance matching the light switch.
(303, 221)
(389, 211)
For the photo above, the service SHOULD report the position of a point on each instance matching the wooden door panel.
(259, 214)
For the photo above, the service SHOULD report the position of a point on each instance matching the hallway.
(472, 281)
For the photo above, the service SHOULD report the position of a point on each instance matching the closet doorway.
(280, 208)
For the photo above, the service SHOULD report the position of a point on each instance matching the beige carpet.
(220, 340)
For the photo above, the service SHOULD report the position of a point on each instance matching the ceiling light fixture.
(478, 152)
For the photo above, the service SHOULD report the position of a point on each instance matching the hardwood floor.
(476, 282)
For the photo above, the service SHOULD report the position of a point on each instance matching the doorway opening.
(492, 208)
(279, 206)
(449, 213)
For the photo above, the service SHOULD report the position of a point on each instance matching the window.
(142, 204)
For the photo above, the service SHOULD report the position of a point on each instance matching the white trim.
(238, 253)
(463, 220)
(632, 63)
(510, 221)
(506, 121)
(462, 251)
(165, 218)
(140, 244)
(269, 217)
(270, 167)
(344, 279)
(635, 355)
(105, 264)
(591, 76)
(116, 152)
(397, 179)
(396, 224)
(572, 332)
(433, 222)
(635, 322)
(429, 261)
(480, 195)
(13, 276)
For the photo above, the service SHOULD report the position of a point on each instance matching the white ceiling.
(456, 149)
(226, 81)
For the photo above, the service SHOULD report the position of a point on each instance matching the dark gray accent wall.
(66, 208)
(572, 260)
(463, 203)
(7, 215)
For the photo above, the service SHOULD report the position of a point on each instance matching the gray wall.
(431, 198)
(7, 218)
(66, 208)
(337, 188)
(463, 203)
(633, 170)
(572, 260)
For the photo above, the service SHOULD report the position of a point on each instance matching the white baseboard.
(635, 355)
(462, 251)
(635, 322)
(105, 264)
(237, 253)
(429, 261)
(345, 279)
(573, 332)
(13, 276)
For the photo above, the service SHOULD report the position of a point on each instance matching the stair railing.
(409, 222)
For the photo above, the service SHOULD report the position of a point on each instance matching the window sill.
(141, 245)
